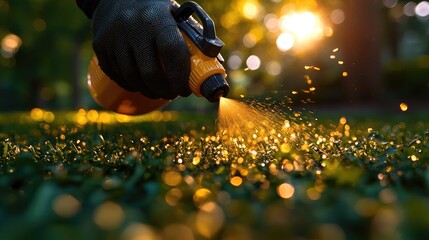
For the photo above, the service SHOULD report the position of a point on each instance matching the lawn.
(264, 173)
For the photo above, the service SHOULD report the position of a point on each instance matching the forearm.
(87, 6)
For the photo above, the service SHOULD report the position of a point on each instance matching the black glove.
(139, 46)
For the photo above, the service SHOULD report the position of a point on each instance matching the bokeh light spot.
(387, 196)
(313, 194)
(250, 9)
(274, 68)
(48, 116)
(271, 22)
(285, 148)
(390, 3)
(409, 9)
(285, 190)
(39, 25)
(92, 115)
(10, 45)
(249, 40)
(332, 232)
(109, 216)
(229, 19)
(366, 207)
(403, 106)
(172, 178)
(236, 181)
(234, 62)
(139, 231)
(177, 232)
(338, 16)
(422, 9)
(253, 62)
(36, 114)
(285, 42)
(201, 196)
(209, 219)
(173, 196)
(66, 205)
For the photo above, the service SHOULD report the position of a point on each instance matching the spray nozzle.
(214, 87)
(207, 77)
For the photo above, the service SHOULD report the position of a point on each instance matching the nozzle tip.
(214, 87)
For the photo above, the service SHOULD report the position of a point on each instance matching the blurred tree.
(45, 71)
(361, 41)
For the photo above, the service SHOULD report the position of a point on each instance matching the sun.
(299, 28)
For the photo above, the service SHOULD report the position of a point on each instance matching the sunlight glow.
(302, 25)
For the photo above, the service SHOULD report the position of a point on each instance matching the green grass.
(173, 177)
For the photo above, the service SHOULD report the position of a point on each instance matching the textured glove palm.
(139, 46)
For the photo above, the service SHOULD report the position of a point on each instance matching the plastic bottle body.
(111, 96)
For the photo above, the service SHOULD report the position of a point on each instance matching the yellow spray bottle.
(207, 76)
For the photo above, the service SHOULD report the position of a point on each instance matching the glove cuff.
(88, 6)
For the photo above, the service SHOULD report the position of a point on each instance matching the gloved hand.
(139, 46)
